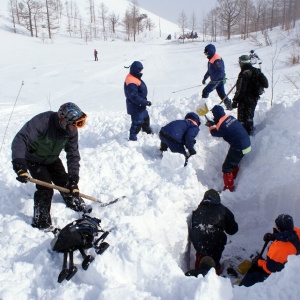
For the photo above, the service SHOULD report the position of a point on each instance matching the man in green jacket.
(36, 149)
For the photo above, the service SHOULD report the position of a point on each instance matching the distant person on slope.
(216, 72)
(180, 134)
(285, 242)
(249, 86)
(136, 92)
(96, 54)
(37, 146)
(207, 230)
(232, 131)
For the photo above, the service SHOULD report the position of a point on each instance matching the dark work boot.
(76, 203)
(41, 209)
(228, 182)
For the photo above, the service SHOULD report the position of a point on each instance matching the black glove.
(192, 152)
(203, 81)
(23, 176)
(72, 185)
(209, 123)
(234, 104)
(21, 169)
(148, 103)
(268, 237)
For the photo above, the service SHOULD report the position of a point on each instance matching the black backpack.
(79, 235)
(258, 81)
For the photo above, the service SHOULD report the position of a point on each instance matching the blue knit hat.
(284, 222)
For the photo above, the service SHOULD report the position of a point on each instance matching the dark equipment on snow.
(78, 235)
(62, 189)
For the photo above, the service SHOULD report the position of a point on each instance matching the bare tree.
(193, 23)
(229, 13)
(149, 24)
(114, 21)
(103, 10)
(182, 23)
(12, 9)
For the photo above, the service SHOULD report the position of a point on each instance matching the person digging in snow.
(36, 149)
(216, 72)
(285, 241)
(207, 230)
(179, 134)
(232, 131)
(249, 87)
(136, 92)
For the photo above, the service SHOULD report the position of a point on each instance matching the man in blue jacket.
(179, 134)
(233, 132)
(37, 146)
(136, 92)
(216, 72)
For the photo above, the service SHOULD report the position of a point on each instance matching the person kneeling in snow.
(179, 134)
(209, 221)
(285, 242)
(233, 132)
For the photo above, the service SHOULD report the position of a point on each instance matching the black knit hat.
(284, 222)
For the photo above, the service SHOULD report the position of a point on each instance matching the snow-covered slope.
(148, 229)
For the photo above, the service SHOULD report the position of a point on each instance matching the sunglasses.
(80, 122)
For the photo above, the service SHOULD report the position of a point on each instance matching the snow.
(148, 254)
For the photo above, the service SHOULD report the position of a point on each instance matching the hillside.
(148, 251)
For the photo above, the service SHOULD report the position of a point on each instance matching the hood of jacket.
(211, 50)
(211, 197)
(218, 112)
(136, 68)
(194, 117)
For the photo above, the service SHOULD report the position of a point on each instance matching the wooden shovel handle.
(228, 93)
(60, 188)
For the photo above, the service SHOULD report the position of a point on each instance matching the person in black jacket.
(37, 146)
(249, 87)
(209, 223)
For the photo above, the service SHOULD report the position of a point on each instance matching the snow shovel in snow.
(64, 190)
(202, 110)
(245, 265)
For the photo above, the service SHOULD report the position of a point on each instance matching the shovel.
(64, 190)
(245, 265)
(203, 110)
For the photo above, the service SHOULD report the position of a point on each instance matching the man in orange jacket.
(285, 242)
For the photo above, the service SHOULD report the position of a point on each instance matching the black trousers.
(232, 160)
(49, 173)
(245, 114)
